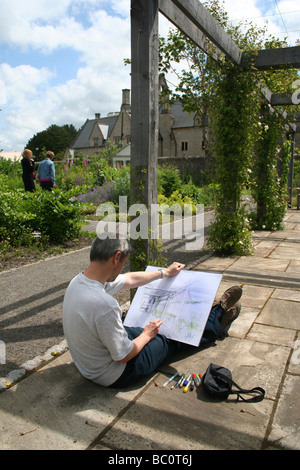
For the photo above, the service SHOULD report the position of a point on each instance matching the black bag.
(217, 381)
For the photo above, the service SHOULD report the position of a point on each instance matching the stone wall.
(198, 168)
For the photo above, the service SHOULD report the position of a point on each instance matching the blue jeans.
(161, 349)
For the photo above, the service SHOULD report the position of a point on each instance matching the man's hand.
(148, 333)
(174, 269)
(152, 328)
(140, 278)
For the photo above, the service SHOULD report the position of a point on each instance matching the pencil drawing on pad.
(183, 303)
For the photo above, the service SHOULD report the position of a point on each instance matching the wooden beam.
(185, 25)
(281, 99)
(267, 94)
(273, 58)
(211, 28)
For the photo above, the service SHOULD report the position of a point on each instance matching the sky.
(62, 61)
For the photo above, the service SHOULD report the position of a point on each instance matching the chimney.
(97, 115)
(126, 99)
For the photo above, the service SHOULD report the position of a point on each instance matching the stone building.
(180, 134)
(115, 127)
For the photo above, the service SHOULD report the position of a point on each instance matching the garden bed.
(20, 256)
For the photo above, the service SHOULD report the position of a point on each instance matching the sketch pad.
(182, 302)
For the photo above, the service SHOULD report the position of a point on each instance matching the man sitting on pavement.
(102, 349)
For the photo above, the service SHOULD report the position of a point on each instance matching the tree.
(54, 138)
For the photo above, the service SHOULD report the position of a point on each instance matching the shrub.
(121, 187)
(58, 217)
(205, 195)
(16, 221)
(176, 199)
(98, 194)
(11, 171)
(50, 212)
(169, 180)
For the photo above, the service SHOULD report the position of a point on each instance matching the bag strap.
(260, 391)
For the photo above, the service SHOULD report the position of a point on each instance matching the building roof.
(82, 138)
(181, 118)
(124, 152)
(12, 155)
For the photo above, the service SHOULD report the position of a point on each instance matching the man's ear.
(116, 257)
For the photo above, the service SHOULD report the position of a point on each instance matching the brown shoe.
(230, 297)
(229, 316)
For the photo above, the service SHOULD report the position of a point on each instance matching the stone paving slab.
(263, 277)
(56, 408)
(255, 296)
(294, 267)
(294, 363)
(257, 264)
(286, 294)
(216, 264)
(264, 248)
(272, 335)
(286, 427)
(282, 313)
(163, 418)
(287, 251)
(73, 402)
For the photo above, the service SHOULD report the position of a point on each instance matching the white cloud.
(32, 97)
(30, 100)
(288, 20)
(23, 80)
(282, 18)
(121, 7)
(238, 10)
(22, 85)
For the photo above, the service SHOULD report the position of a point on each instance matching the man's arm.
(52, 172)
(140, 278)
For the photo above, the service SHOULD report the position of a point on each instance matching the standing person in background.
(28, 165)
(46, 173)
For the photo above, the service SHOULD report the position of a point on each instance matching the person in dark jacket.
(28, 165)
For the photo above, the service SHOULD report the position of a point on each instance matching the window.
(184, 146)
(96, 142)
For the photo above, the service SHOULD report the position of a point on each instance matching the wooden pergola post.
(291, 169)
(144, 109)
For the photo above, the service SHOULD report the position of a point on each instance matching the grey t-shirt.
(93, 329)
